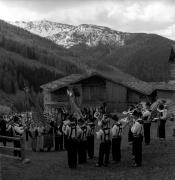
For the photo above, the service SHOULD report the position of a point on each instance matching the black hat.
(15, 118)
(135, 113)
(115, 118)
(148, 104)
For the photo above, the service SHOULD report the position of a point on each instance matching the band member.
(130, 135)
(90, 139)
(34, 132)
(147, 123)
(116, 140)
(3, 129)
(59, 137)
(66, 123)
(18, 131)
(40, 137)
(82, 143)
(72, 132)
(161, 122)
(105, 144)
(137, 130)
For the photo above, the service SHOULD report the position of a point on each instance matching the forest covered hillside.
(28, 59)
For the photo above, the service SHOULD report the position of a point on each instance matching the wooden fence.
(21, 149)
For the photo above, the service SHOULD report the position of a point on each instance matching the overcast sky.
(151, 16)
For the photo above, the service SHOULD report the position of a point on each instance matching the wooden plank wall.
(117, 96)
(166, 94)
(93, 89)
(59, 95)
(133, 97)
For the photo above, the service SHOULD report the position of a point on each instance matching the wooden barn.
(95, 89)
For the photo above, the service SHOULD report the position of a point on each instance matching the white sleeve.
(67, 131)
(114, 130)
(19, 130)
(99, 134)
(147, 113)
(164, 114)
(134, 128)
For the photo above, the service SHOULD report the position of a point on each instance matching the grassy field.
(158, 164)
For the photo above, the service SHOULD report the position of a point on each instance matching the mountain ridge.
(70, 35)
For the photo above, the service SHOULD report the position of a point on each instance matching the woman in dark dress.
(162, 121)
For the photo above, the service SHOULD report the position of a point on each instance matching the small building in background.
(172, 64)
(164, 90)
(117, 91)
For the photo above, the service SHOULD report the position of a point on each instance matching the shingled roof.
(119, 78)
(167, 86)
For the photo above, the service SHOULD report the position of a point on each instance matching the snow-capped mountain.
(69, 35)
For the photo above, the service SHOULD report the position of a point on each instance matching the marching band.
(77, 133)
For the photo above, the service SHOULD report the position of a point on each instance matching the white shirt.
(75, 132)
(101, 135)
(146, 114)
(164, 114)
(18, 129)
(115, 131)
(137, 129)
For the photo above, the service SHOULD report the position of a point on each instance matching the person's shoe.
(136, 165)
(114, 162)
(97, 165)
(105, 164)
(146, 144)
(90, 158)
(132, 157)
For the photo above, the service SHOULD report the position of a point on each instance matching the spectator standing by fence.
(3, 129)
(18, 131)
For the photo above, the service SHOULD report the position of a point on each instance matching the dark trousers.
(17, 144)
(104, 152)
(116, 150)
(65, 142)
(130, 135)
(137, 149)
(161, 129)
(3, 140)
(147, 127)
(58, 143)
(82, 152)
(90, 146)
(27, 135)
(72, 153)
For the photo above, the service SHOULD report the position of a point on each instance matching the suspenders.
(106, 134)
(92, 130)
(120, 131)
(73, 127)
(84, 132)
